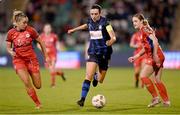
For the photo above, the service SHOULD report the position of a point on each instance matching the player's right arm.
(139, 54)
(82, 27)
(9, 45)
(9, 49)
(133, 43)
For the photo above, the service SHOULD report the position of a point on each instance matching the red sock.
(149, 85)
(162, 91)
(59, 73)
(32, 93)
(53, 75)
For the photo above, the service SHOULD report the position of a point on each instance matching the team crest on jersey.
(27, 35)
(51, 39)
(100, 27)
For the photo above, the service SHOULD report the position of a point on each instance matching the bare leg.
(24, 76)
(90, 71)
(52, 73)
(36, 78)
(145, 73)
(61, 73)
(136, 76)
(161, 88)
(101, 75)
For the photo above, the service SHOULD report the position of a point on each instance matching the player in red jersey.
(50, 39)
(19, 46)
(136, 43)
(154, 61)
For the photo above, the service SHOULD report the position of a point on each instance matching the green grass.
(118, 88)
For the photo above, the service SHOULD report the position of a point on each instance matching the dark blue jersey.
(98, 37)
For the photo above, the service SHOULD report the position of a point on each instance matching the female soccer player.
(19, 46)
(154, 60)
(102, 37)
(136, 43)
(50, 39)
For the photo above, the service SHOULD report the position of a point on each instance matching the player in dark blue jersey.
(102, 36)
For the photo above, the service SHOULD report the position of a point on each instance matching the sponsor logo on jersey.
(27, 35)
(96, 34)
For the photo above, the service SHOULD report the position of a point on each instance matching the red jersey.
(50, 42)
(149, 47)
(22, 41)
(148, 43)
(22, 46)
(137, 40)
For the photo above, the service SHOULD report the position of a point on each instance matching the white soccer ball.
(98, 101)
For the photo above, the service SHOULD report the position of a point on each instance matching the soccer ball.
(98, 101)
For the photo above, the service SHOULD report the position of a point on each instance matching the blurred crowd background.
(163, 16)
(65, 14)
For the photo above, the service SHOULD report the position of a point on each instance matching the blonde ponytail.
(145, 22)
(17, 15)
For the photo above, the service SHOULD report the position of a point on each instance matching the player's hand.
(131, 59)
(12, 53)
(138, 45)
(48, 61)
(108, 43)
(70, 31)
(157, 60)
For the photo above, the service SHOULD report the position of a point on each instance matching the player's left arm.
(135, 57)
(38, 46)
(133, 42)
(10, 49)
(43, 48)
(156, 45)
(111, 34)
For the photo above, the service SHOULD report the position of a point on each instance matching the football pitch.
(118, 89)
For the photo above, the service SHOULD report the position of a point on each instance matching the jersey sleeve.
(33, 32)
(108, 26)
(9, 36)
(88, 22)
(133, 38)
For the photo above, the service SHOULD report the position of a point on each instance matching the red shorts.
(151, 62)
(138, 62)
(32, 65)
(52, 57)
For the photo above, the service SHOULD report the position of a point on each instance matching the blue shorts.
(101, 60)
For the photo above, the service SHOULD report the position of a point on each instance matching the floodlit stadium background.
(65, 14)
(118, 87)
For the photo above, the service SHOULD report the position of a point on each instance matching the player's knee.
(157, 80)
(27, 85)
(38, 86)
(89, 76)
(137, 74)
(101, 81)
